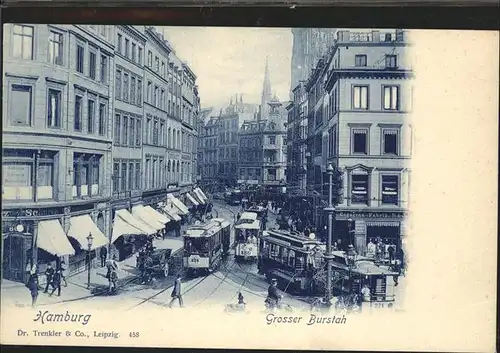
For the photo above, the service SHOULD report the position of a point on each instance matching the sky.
(230, 60)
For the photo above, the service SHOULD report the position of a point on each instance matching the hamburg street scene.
(259, 170)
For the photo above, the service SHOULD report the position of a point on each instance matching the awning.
(79, 229)
(202, 193)
(199, 197)
(120, 227)
(140, 213)
(157, 215)
(51, 238)
(141, 227)
(170, 213)
(177, 203)
(191, 198)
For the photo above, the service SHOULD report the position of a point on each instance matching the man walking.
(49, 273)
(176, 292)
(33, 287)
(103, 254)
(56, 283)
(61, 268)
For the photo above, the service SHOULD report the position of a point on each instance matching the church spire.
(266, 91)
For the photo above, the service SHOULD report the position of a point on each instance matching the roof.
(248, 215)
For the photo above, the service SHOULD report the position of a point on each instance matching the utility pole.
(330, 209)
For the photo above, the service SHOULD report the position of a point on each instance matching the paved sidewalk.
(16, 293)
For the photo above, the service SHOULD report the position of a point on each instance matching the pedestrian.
(391, 249)
(371, 249)
(49, 273)
(103, 254)
(62, 268)
(176, 292)
(56, 283)
(33, 287)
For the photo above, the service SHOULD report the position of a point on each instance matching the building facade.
(56, 139)
(188, 117)
(360, 97)
(99, 111)
(208, 151)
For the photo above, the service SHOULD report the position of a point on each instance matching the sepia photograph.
(251, 172)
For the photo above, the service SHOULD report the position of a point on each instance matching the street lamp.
(90, 239)
(330, 209)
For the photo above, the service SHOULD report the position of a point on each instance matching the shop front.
(361, 227)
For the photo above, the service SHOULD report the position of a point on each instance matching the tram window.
(299, 262)
(291, 258)
(284, 256)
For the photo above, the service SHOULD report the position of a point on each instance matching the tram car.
(260, 210)
(205, 245)
(247, 233)
(291, 258)
(298, 263)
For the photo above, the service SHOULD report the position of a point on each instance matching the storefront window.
(85, 175)
(359, 189)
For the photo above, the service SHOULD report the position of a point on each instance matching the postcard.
(216, 187)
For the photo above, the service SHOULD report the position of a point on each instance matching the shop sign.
(85, 207)
(373, 215)
(30, 212)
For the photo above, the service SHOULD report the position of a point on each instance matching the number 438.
(134, 334)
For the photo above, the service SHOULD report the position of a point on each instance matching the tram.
(233, 197)
(205, 245)
(291, 258)
(247, 233)
(298, 263)
(260, 210)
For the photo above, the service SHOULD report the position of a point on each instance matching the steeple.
(266, 92)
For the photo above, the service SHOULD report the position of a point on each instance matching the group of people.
(54, 277)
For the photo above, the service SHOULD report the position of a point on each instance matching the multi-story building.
(296, 141)
(56, 142)
(263, 149)
(208, 152)
(364, 105)
(228, 146)
(309, 45)
(99, 110)
(127, 175)
(188, 116)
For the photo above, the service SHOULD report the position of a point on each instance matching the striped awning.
(383, 224)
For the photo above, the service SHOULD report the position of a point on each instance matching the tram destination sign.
(33, 212)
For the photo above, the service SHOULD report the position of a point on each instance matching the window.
(124, 176)
(272, 140)
(391, 98)
(127, 48)
(150, 58)
(90, 117)
(118, 84)
(78, 113)
(119, 43)
(360, 97)
(138, 132)
(92, 64)
(148, 92)
(163, 69)
(133, 98)
(137, 175)
(155, 133)
(102, 119)
(391, 61)
(157, 64)
(117, 129)
(162, 99)
(54, 109)
(155, 97)
(360, 60)
(130, 176)
(134, 52)
(125, 87)
(162, 134)
(390, 141)
(115, 176)
(104, 69)
(125, 131)
(21, 104)
(139, 92)
(359, 189)
(360, 141)
(22, 42)
(131, 132)
(80, 57)
(55, 48)
(139, 56)
(390, 189)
